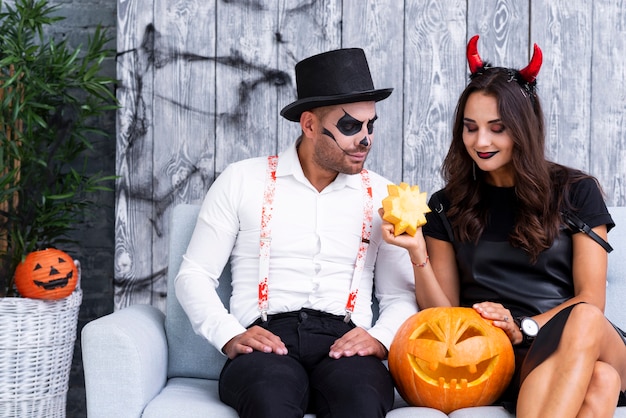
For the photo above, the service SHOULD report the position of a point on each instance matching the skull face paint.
(350, 126)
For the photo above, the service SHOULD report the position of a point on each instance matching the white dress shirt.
(315, 241)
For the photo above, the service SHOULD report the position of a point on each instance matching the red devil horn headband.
(528, 73)
(473, 58)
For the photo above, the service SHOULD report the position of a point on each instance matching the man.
(306, 252)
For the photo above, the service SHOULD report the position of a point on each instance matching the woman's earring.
(474, 170)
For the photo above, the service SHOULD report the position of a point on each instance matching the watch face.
(529, 327)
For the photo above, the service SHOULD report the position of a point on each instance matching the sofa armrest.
(124, 360)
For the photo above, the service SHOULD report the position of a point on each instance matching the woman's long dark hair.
(541, 186)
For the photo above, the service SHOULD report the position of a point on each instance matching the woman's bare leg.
(602, 393)
(564, 381)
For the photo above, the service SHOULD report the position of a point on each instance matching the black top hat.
(334, 77)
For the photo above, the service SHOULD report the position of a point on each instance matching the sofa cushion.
(189, 355)
(482, 412)
(414, 412)
(616, 277)
(198, 398)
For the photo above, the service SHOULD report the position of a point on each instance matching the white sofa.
(139, 362)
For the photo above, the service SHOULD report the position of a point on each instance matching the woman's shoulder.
(582, 188)
(439, 200)
(437, 225)
(576, 184)
(586, 198)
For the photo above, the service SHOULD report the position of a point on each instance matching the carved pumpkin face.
(450, 358)
(46, 274)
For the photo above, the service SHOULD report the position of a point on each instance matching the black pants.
(306, 380)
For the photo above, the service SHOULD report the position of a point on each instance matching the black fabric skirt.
(546, 343)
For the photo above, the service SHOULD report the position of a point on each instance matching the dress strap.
(438, 207)
(577, 223)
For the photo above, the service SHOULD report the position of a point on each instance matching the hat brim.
(293, 111)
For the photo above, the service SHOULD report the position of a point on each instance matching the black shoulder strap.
(438, 207)
(577, 223)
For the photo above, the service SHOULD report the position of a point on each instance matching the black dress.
(493, 270)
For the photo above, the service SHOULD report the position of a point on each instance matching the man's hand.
(357, 342)
(255, 338)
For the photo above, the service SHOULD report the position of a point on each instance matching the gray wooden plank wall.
(202, 83)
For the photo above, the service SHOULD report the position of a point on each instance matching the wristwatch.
(529, 328)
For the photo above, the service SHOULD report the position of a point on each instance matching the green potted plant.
(51, 96)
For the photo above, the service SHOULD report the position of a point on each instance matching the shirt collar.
(289, 165)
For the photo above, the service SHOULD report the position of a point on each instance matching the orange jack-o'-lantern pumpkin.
(450, 358)
(46, 274)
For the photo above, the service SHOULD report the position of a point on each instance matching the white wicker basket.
(36, 348)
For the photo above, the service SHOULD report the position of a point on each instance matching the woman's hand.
(403, 240)
(416, 245)
(501, 318)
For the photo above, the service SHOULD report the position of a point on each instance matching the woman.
(500, 240)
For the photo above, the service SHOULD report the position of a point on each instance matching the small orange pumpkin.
(450, 358)
(46, 274)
